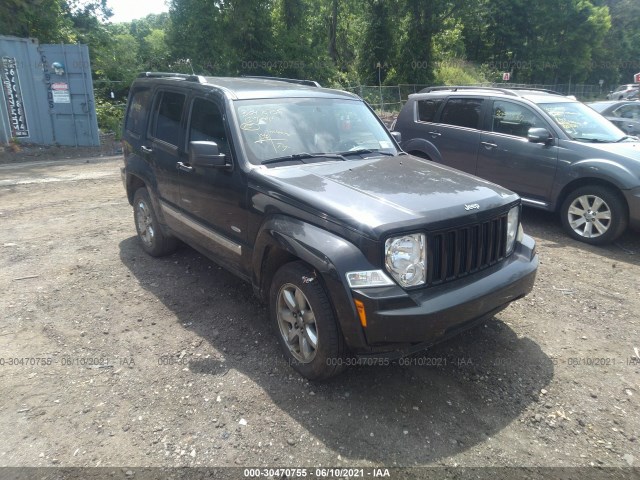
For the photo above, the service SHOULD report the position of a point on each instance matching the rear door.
(165, 142)
(507, 158)
(456, 133)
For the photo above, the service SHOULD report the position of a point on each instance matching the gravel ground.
(111, 358)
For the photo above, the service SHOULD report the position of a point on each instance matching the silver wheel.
(144, 221)
(297, 323)
(589, 216)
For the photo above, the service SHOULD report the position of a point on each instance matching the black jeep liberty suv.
(360, 250)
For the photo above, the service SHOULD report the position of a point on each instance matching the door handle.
(434, 134)
(489, 146)
(146, 149)
(184, 168)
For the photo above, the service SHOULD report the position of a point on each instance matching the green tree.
(377, 49)
(41, 19)
(196, 34)
(618, 58)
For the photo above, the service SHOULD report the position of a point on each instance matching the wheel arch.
(584, 182)
(133, 183)
(283, 239)
(418, 146)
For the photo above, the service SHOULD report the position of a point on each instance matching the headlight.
(512, 228)
(369, 278)
(405, 259)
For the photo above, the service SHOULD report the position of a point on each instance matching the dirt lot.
(111, 358)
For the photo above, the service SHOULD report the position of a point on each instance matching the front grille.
(459, 252)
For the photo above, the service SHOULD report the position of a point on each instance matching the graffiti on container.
(13, 96)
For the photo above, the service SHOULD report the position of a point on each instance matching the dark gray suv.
(556, 152)
(360, 251)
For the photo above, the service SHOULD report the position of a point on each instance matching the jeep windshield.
(581, 123)
(310, 129)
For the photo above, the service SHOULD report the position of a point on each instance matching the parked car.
(358, 249)
(624, 91)
(623, 114)
(557, 153)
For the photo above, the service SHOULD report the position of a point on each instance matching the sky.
(127, 10)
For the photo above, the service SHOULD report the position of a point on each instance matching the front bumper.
(397, 318)
(633, 201)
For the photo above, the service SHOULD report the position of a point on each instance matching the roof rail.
(308, 83)
(455, 88)
(533, 89)
(182, 76)
(513, 91)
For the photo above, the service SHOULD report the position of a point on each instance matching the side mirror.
(397, 136)
(207, 155)
(539, 135)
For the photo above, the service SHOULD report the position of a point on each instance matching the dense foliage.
(349, 42)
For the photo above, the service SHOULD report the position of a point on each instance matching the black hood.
(376, 195)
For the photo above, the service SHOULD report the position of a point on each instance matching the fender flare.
(424, 146)
(329, 254)
(137, 168)
(607, 170)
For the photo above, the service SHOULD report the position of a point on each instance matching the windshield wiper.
(361, 151)
(302, 156)
(626, 137)
(592, 140)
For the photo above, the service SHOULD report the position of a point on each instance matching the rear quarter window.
(427, 109)
(137, 110)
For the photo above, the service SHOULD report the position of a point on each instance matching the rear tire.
(305, 324)
(594, 214)
(154, 241)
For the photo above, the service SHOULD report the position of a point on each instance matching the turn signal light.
(361, 312)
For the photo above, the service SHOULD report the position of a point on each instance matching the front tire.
(594, 214)
(154, 241)
(305, 324)
(419, 154)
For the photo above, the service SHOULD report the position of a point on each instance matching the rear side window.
(138, 109)
(167, 116)
(463, 112)
(427, 109)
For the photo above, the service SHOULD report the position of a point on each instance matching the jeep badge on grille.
(471, 206)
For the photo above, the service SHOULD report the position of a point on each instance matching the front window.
(628, 111)
(583, 124)
(287, 127)
(513, 119)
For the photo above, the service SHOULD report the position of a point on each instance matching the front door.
(212, 198)
(507, 158)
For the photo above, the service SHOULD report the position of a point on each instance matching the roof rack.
(531, 89)
(507, 91)
(181, 76)
(308, 83)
